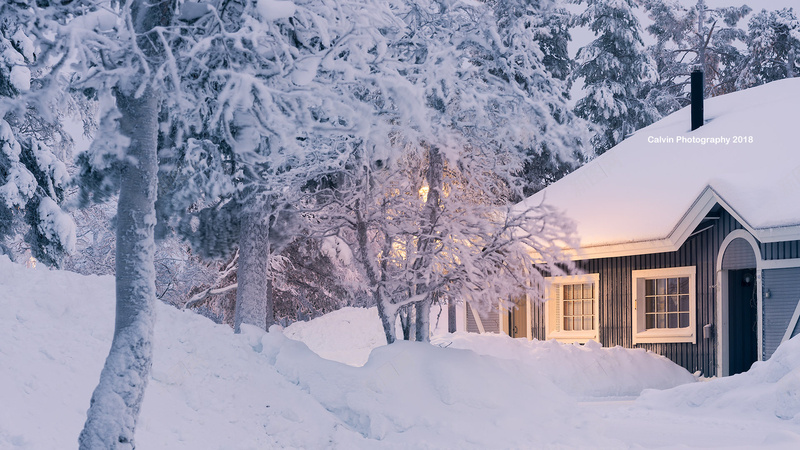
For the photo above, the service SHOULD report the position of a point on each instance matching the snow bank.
(208, 388)
(770, 388)
(581, 370)
(412, 392)
(350, 334)
(347, 335)
(211, 389)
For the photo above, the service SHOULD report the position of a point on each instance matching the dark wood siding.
(616, 298)
(784, 293)
(780, 250)
(489, 320)
(537, 320)
(739, 255)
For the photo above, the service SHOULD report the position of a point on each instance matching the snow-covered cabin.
(690, 240)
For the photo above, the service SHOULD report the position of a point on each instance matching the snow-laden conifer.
(616, 72)
(773, 45)
(689, 37)
(33, 144)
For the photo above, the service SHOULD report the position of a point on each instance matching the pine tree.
(33, 145)
(535, 59)
(616, 72)
(773, 44)
(691, 37)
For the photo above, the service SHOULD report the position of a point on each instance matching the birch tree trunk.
(114, 409)
(254, 293)
(386, 312)
(427, 241)
(405, 321)
(423, 328)
(111, 419)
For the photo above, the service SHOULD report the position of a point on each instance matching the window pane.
(672, 286)
(661, 304)
(672, 320)
(661, 321)
(649, 287)
(567, 308)
(568, 292)
(567, 324)
(672, 303)
(577, 308)
(587, 323)
(684, 320)
(588, 291)
(588, 308)
(684, 303)
(650, 321)
(661, 286)
(683, 285)
(651, 305)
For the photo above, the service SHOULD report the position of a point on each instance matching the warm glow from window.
(31, 263)
(423, 193)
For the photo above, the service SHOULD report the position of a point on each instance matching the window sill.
(568, 338)
(663, 336)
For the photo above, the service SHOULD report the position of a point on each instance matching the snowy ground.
(211, 389)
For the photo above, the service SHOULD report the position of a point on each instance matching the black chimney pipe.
(697, 99)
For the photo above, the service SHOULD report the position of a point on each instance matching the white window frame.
(641, 335)
(554, 307)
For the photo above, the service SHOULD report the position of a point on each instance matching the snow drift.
(212, 389)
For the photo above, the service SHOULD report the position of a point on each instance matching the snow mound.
(769, 388)
(347, 335)
(350, 334)
(208, 388)
(413, 392)
(581, 370)
(211, 389)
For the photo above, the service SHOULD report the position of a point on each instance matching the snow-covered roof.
(648, 193)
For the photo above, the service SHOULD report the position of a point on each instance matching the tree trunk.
(114, 409)
(253, 295)
(405, 321)
(427, 241)
(387, 314)
(451, 316)
(423, 328)
(111, 419)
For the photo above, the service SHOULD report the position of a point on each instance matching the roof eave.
(683, 231)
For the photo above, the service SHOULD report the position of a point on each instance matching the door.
(742, 319)
(518, 319)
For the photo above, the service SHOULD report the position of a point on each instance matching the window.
(664, 305)
(572, 308)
